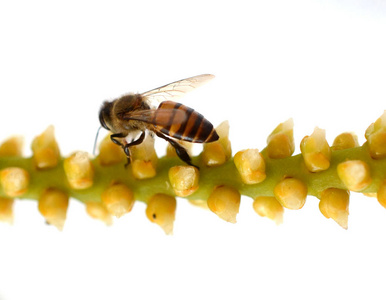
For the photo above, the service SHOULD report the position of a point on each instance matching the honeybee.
(171, 121)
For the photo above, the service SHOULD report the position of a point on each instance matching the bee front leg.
(181, 151)
(126, 147)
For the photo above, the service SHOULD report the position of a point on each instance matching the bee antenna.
(96, 139)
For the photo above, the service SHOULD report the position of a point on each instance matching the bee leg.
(126, 148)
(114, 137)
(181, 151)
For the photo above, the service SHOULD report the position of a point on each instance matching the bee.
(171, 121)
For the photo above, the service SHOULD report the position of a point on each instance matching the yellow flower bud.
(316, 151)
(269, 207)
(218, 152)
(334, 204)
(381, 194)
(118, 199)
(184, 180)
(110, 153)
(79, 170)
(14, 181)
(355, 174)
(46, 150)
(280, 143)
(251, 166)
(161, 209)
(6, 210)
(12, 146)
(291, 193)
(144, 159)
(199, 202)
(345, 141)
(224, 201)
(98, 210)
(53, 204)
(376, 137)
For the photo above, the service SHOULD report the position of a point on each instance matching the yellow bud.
(376, 137)
(381, 194)
(316, 151)
(345, 140)
(280, 143)
(79, 170)
(355, 174)
(269, 207)
(46, 150)
(199, 202)
(251, 166)
(118, 199)
(218, 152)
(14, 181)
(291, 193)
(53, 204)
(98, 210)
(161, 209)
(110, 153)
(12, 146)
(224, 201)
(6, 210)
(184, 180)
(144, 159)
(334, 204)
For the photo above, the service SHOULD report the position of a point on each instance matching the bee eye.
(102, 119)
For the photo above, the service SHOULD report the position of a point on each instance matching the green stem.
(226, 174)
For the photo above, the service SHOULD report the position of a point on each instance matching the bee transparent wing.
(161, 117)
(175, 90)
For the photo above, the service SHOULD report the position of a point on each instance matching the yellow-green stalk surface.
(96, 175)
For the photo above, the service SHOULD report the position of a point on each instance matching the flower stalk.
(108, 188)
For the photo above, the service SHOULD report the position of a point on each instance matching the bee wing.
(161, 117)
(175, 90)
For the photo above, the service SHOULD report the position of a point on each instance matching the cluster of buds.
(274, 178)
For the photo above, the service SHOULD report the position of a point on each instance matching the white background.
(321, 62)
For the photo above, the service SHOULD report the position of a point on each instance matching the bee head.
(105, 114)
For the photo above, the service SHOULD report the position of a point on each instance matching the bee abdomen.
(193, 128)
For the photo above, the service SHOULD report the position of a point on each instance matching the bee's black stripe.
(192, 134)
(171, 120)
(181, 131)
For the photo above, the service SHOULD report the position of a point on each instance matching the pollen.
(6, 210)
(345, 140)
(79, 170)
(161, 210)
(316, 151)
(224, 201)
(355, 174)
(280, 143)
(118, 199)
(14, 181)
(45, 150)
(269, 207)
(218, 152)
(53, 205)
(334, 204)
(110, 153)
(251, 166)
(184, 180)
(291, 193)
(376, 137)
(98, 210)
(12, 146)
(144, 159)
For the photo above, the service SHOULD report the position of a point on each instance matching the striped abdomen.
(184, 123)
